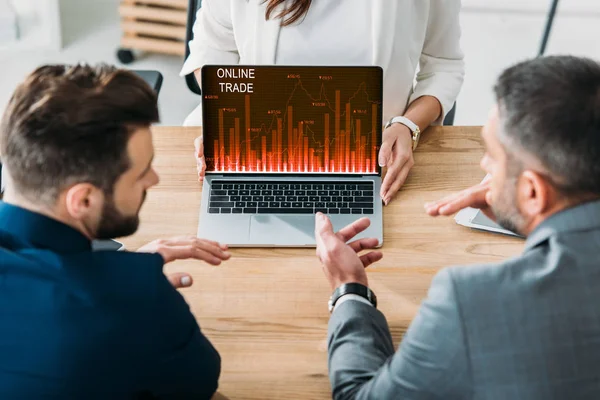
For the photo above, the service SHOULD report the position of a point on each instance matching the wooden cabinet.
(153, 25)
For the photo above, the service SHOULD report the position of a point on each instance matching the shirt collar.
(583, 217)
(41, 231)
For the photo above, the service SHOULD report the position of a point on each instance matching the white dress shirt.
(416, 42)
(350, 297)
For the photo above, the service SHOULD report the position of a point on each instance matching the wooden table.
(266, 309)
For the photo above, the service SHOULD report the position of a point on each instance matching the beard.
(506, 210)
(114, 224)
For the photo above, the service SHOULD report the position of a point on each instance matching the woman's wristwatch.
(414, 128)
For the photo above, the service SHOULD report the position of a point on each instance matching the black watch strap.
(352, 288)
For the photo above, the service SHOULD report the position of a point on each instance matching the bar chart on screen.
(292, 119)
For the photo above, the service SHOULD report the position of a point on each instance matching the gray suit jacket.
(527, 328)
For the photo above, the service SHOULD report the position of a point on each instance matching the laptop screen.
(289, 119)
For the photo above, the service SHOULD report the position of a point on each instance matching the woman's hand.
(199, 154)
(395, 154)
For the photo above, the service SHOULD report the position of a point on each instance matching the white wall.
(39, 25)
(8, 23)
(574, 7)
(500, 33)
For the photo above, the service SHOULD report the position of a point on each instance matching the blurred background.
(495, 34)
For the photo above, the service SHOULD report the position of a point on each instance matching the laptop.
(282, 143)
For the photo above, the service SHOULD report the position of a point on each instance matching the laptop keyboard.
(235, 197)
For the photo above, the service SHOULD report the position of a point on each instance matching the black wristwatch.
(352, 288)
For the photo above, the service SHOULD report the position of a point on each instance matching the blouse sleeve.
(441, 66)
(213, 41)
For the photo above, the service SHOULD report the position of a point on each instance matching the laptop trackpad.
(232, 229)
(283, 230)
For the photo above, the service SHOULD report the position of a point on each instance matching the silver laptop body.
(276, 152)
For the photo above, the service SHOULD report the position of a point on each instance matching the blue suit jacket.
(77, 324)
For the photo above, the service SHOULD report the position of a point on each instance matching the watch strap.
(414, 128)
(404, 121)
(352, 288)
(352, 297)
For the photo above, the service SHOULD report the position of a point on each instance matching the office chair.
(152, 78)
(193, 7)
(449, 119)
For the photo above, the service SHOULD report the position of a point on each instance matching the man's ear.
(534, 194)
(82, 200)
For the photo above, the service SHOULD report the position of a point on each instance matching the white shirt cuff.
(350, 296)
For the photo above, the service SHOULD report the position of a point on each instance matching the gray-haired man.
(527, 328)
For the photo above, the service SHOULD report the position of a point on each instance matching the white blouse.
(416, 42)
(308, 42)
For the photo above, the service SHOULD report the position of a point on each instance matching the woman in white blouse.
(416, 42)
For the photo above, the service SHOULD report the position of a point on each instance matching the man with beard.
(525, 328)
(75, 324)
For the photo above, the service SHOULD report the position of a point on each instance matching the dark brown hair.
(290, 14)
(70, 124)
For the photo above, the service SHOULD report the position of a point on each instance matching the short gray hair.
(550, 108)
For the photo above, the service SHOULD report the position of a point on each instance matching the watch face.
(416, 136)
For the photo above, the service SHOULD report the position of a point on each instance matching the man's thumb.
(180, 280)
(322, 224)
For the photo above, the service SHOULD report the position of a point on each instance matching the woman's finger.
(392, 173)
(199, 146)
(399, 181)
